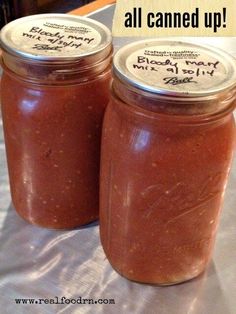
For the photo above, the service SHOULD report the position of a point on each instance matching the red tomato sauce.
(52, 136)
(162, 184)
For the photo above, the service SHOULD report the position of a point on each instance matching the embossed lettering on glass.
(167, 146)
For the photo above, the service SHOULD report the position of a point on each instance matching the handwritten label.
(55, 37)
(176, 68)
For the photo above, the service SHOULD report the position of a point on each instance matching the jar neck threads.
(56, 73)
(163, 104)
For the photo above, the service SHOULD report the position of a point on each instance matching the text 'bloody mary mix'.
(54, 91)
(167, 145)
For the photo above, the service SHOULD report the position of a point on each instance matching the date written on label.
(47, 40)
(188, 69)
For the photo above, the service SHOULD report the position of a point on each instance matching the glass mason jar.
(55, 87)
(166, 155)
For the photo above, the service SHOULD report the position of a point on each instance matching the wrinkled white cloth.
(39, 263)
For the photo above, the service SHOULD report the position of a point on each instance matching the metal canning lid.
(174, 68)
(55, 37)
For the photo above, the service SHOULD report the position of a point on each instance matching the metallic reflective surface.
(55, 37)
(40, 263)
(159, 53)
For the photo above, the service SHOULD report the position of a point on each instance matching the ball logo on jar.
(180, 199)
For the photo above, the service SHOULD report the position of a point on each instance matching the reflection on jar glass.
(166, 155)
(55, 88)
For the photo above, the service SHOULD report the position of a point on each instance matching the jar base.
(158, 284)
(55, 227)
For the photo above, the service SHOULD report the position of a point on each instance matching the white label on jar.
(55, 37)
(177, 68)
